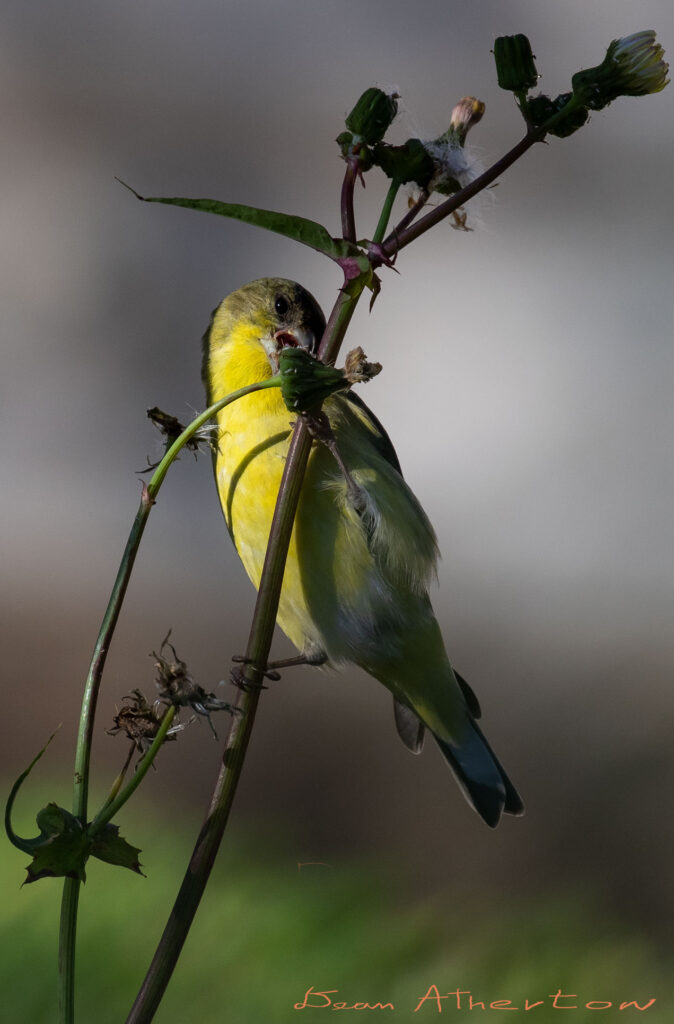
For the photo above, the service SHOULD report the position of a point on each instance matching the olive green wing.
(411, 729)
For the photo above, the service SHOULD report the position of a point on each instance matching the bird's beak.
(295, 337)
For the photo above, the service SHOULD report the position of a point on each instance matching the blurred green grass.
(268, 930)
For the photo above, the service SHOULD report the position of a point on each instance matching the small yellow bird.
(356, 578)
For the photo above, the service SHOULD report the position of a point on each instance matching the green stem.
(85, 735)
(117, 784)
(386, 211)
(257, 654)
(111, 807)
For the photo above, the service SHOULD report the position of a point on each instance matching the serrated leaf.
(109, 846)
(301, 229)
(62, 847)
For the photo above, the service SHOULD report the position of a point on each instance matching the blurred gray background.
(527, 387)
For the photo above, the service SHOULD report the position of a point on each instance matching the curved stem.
(257, 654)
(70, 897)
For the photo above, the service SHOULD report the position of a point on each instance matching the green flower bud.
(515, 63)
(372, 115)
(351, 149)
(465, 114)
(306, 381)
(409, 162)
(633, 66)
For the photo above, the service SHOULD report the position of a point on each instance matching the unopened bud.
(515, 63)
(465, 114)
(372, 115)
(306, 381)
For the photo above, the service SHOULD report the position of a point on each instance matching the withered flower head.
(171, 428)
(176, 686)
(139, 721)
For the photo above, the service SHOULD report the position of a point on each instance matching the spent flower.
(176, 686)
(633, 66)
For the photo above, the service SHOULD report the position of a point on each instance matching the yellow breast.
(253, 439)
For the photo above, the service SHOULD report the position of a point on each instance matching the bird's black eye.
(281, 305)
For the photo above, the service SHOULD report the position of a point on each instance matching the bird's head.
(264, 316)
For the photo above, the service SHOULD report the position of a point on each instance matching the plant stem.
(257, 654)
(117, 784)
(68, 926)
(413, 211)
(348, 185)
(110, 808)
(399, 239)
(403, 235)
(386, 211)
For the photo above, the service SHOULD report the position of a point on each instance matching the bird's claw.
(268, 672)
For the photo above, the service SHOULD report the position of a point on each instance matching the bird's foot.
(239, 680)
(312, 656)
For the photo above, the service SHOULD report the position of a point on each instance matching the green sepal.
(306, 381)
(372, 115)
(409, 162)
(301, 229)
(349, 149)
(109, 846)
(515, 66)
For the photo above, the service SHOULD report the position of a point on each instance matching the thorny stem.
(259, 642)
(257, 655)
(71, 886)
(348, 186)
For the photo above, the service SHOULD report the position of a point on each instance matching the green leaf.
(63, 846)
(109, 846)
(308, 232)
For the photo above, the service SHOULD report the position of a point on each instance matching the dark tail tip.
(481, 778)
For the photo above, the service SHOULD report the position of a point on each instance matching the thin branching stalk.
(385, 215)
(266, 607)
(69, 902)
(257, 655)
(111, 807)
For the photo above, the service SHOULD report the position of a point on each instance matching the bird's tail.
(480, 776)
